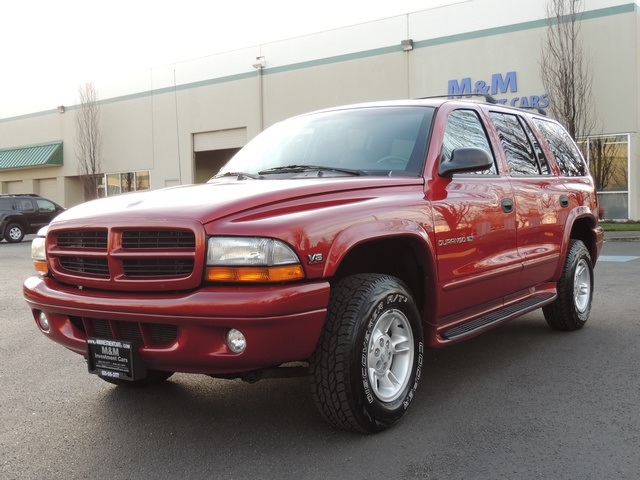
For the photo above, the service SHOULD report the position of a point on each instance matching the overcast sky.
(48, 48)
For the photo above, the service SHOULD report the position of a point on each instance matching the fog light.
(236, 341)
(43, 321)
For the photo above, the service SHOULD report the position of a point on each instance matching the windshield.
(361, 141)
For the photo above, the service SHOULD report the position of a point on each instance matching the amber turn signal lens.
(282, 273)
(41, 267)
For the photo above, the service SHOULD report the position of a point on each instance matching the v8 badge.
(314, 258)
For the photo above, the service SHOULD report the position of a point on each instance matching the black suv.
(21, 214)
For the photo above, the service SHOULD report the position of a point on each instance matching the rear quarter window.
(564, 150)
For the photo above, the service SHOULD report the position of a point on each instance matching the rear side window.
(564, 150)
(24, 205)
(5, 204)
(517, 147)
(464, 130)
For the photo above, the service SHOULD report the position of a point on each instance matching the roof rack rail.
(487, 97)
(540, 110)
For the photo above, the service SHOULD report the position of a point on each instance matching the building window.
(116, 183)
(608, 157)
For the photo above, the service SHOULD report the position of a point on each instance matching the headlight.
(251, 259)
(39, 252)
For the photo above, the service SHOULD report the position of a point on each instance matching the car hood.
(215, 200)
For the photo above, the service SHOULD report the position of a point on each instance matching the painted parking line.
(616, 258)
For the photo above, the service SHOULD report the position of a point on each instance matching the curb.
(622, 239)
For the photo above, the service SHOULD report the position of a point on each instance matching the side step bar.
(498, 316)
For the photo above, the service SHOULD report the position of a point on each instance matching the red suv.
(338, 245)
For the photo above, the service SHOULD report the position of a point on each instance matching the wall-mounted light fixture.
(407, 45)
(61, 109)
(260, 63)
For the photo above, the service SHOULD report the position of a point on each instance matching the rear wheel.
(14, 233)
(368, 361)
(570, 311)
(152, 377)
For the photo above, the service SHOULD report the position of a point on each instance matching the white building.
(178, 124)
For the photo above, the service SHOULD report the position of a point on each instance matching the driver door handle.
(507, 205)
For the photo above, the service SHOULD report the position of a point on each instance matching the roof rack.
(487, 97)
(541, 111)
(19, 195)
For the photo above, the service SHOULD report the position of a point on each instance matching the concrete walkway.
(622, 236)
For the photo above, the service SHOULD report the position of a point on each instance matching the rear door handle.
(564, 201)
(507, 205)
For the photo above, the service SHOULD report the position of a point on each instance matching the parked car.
(338, 245)
(21, 214)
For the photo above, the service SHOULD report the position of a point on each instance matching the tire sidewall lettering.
(398, 301)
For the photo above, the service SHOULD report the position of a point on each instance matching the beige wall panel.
(302, 90)
(433, 67)
(127, 135)
(178, 115)
(615, 75)
(73, 192)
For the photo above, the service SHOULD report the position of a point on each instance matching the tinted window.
(564, 150)
(464, 130)
(45, 205)
(24, 205)
(542, 159)
(515, 143)
(5, 204)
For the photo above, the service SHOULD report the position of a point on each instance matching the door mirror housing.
(465, 160)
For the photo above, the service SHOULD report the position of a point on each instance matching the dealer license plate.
(116, 359)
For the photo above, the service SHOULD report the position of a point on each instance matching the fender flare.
(364, 232)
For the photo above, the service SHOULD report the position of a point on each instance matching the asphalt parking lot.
(520, 401)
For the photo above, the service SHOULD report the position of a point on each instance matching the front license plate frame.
(115, 359)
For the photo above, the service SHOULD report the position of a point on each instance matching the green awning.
(44, 155)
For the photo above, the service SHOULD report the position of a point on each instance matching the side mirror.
(465, 160)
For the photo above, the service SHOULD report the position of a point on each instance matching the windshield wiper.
(240, 175)
(307, 168)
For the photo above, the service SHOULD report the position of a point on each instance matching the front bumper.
(281, 323)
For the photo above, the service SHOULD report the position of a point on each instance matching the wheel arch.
(406, 253)
(585, 229)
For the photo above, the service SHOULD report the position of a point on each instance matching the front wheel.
(570, 310)
(368, 361)
(14, 233)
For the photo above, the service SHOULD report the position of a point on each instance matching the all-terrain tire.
(14, 233)
(366, 367)
(570, 310)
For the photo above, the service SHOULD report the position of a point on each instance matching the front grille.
(124, 258)
(158, 267)
(83, 239)
(139, 333)
(157, 239)
(86, 265)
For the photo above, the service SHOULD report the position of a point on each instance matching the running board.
(498, 316)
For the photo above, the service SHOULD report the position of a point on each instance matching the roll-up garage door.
(48, 188)
(219, 140)
(15, 187)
